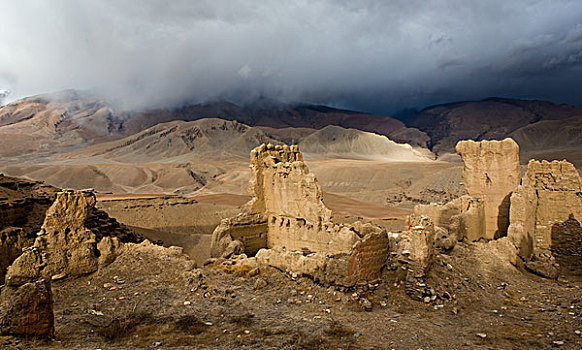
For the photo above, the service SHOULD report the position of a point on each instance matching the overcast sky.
(378, 56)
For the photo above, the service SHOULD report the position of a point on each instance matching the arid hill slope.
(54, 123)
(208, 155)
(542, 129)
(213, 138)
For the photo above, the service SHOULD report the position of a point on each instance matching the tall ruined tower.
(491, 172)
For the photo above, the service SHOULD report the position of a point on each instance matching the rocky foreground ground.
(284, 275)
(154, 297)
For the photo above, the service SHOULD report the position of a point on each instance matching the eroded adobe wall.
(249, 229)
(550, 193)
(363, 265)
(282, 184)
(287, 204)
(75, 239)
(290, 197)
(23, 205)
(491, 173)
(463, 217)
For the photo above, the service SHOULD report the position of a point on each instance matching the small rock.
(577, 332)
(366, 304)
(260, 283)
(158, 343)
(210, 261)
(254, 272)
(59, 276)
(558, 342)
(482, 335)
(187, 302)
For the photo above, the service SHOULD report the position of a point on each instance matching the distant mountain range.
(542, 129)
(60, 122)
(215, 139)
(46, 125)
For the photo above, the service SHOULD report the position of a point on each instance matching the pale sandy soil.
(189, 222)
(379, 182)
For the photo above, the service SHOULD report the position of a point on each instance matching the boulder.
(27, 309)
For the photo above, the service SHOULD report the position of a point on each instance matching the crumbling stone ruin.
(23, 205)
(549, 195)
(74, 239)
(287, 226)
(544, 204)
(491, 173)
(463, 217)
(290, 197)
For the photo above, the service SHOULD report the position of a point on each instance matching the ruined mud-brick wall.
(463, 217)
(363, 265)
(23, 205)
(491, 172)
(249, 229)
(75, 239)
(550, 193)
(287, 206)
(292, 201)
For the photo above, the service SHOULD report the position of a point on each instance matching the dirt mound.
(157, 178)
(271, 113)
(213, 138)
(209, 137)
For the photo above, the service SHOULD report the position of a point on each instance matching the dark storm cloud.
(373, 55)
